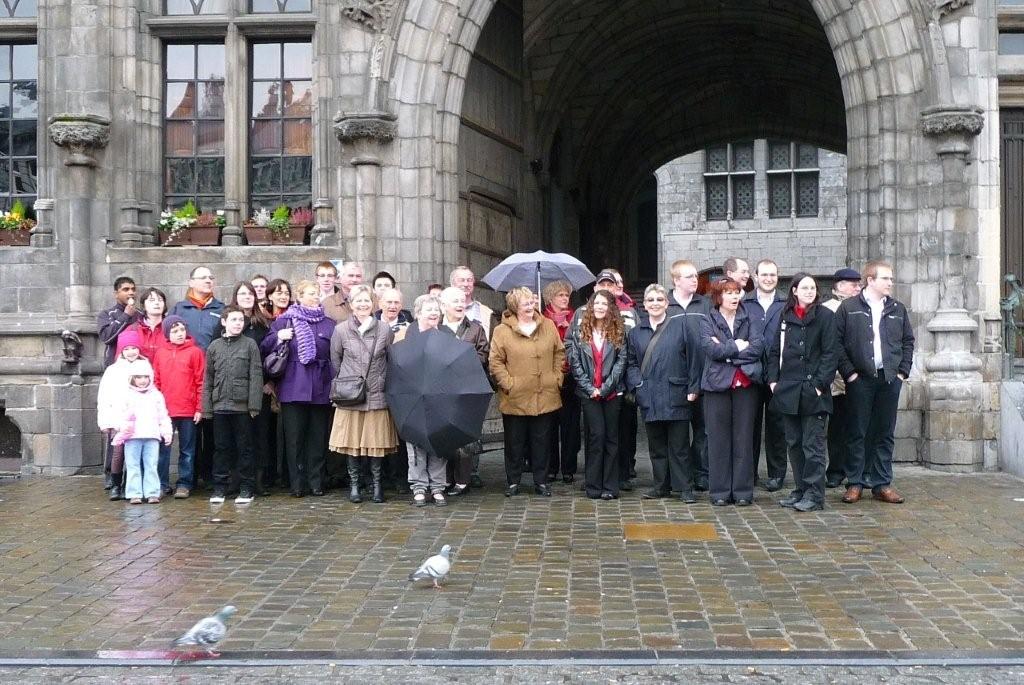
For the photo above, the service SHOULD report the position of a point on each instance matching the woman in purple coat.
(305, 387)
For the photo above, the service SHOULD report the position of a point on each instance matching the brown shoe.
(852, 495)
(888, 495)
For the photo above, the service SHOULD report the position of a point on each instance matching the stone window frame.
(24, 31)
(237, 29)
(730, 174)
(795, 172)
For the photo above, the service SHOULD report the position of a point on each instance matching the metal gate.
(1011, 123)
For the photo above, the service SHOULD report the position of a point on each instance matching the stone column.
(42, 233)
(362, 135)
(956, 393)
(80, 135)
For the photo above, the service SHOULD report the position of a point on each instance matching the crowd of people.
(285, 387)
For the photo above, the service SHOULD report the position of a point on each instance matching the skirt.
(363, 433)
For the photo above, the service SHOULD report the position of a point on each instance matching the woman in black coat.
(732, 369)
(801, 366)
(663, 390)
(597, 360)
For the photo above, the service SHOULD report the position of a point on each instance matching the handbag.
(347, 391)
(630, 397)
(277, 361)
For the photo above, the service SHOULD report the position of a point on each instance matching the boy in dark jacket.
(179, 368)
(232, 397)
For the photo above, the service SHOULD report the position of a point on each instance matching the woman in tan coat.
(359, 348)
(526, 361)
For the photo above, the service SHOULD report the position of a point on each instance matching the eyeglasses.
(207, 277)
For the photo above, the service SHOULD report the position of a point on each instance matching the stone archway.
(916, 178)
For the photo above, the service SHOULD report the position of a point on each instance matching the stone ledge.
(220, 254)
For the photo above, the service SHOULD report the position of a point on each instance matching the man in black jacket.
(875, 359)
(685, 301)
(111, 322)
(764, 307)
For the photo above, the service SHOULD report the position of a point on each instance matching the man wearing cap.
(847, 284)
(875, 358)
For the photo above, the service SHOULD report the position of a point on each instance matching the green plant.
(15, 219)
(280, 220)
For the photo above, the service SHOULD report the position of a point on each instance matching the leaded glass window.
(729, 181)
(280, 6)
(281, 124)
(194, 125)
(21, 8)
(195, 7)
(19, 114)
(792, 179)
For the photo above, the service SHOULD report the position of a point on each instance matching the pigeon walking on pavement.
(208, 632)
(435, 568)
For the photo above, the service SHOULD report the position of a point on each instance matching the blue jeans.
(186, 428)
(140, 460)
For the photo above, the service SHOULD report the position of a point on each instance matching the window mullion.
(236, 122)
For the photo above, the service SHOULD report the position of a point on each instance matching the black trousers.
(774, 436)
(565, 441)
(871, 411)
(527, 436)
(460, 464)
(805, 437)
(729, 418)
(601, 471)
(668, 443)
(305, 443)
(266, 445)
(396, 466)
(698, 449)
(837, 435)
(206, 444)
(628, 425)
(234, 434)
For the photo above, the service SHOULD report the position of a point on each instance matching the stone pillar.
(324, 231)
(42, 233)
(135, 233)
(80, 135)
(362, 135)
(956, 393)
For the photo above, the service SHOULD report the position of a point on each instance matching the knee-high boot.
(353, 476)
(377, 467)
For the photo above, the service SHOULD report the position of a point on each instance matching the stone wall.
(814, 244)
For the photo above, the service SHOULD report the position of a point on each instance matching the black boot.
(377, 466)
(353, 474)
(116, 490)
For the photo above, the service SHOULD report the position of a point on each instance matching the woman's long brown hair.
(614, 329)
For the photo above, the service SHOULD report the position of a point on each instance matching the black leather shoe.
(108, 481)
(687, 497)
(402, 489)
(607, 495)
(743, 503)
(458, 490)
(354, 496)
(832, 483)
(626, 485)
(512, 491)
(115, 493)
(317, 493)
(653, 494)
(773, 484)
(293, 493)
(808, 505)
(701, 485)
(789, 500)
(719, 502)
(543, 490)
(568, 478)
(475, 482)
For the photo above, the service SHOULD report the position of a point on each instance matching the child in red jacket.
(179, 368)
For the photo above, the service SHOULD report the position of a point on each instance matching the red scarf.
(560, 319)
(800, 311)
(740, 380)
(598, 362)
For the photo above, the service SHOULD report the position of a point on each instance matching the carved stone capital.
(953, 126)
(944, 7)
(373, 13)
(377, 126)
(80, 135)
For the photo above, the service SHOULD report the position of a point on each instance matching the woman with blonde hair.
(526, 361)
(597, 357)
(359, 348)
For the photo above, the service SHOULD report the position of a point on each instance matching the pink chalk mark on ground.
(157, 654)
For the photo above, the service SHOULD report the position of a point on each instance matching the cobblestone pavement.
(422, 675)
(942, 572)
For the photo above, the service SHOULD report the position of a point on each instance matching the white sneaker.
(244, 497)
(217, 498)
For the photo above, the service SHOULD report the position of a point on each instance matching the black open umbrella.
(437, 391)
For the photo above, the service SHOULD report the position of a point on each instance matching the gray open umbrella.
(538, 269)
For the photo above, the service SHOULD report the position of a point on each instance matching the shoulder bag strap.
(650, 348)
(372, 348)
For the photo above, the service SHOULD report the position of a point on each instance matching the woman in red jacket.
(178, 374)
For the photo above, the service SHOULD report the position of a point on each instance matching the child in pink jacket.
(144, 424)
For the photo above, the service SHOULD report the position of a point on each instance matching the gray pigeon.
(435, 568)
(208, 632)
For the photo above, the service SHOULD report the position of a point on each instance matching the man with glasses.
(200, 309)
(847, 285)
(876, 353)
(685, 301)
(326, 277)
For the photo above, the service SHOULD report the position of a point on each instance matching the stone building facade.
(757, 212)
(428, 133)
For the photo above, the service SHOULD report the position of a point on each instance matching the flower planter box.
(18, 238)
(197, 235)
(257, 235)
